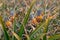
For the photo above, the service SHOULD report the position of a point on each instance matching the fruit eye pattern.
(35, 19)
(8, 23)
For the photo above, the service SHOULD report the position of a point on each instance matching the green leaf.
(45, 25)
(14, 28)
(6, 36)
(27, 36)
(28, 13)
(46, 28)
(26, 19)
(54, 37)
(21, 30)
(37, 32)
(17, 37)
(44, 37)
(39, 36)
(4, 6)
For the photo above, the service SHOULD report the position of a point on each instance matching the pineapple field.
(29, 19)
